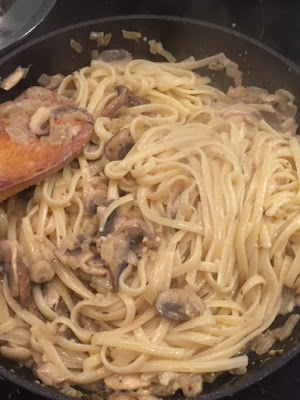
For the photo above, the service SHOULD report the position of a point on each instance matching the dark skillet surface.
(269, 28)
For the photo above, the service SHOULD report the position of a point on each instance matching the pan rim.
(227, 30)
(50, 393)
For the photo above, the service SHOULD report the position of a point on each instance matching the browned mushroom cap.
(18, 275)
(179, 305)
(114, 105)
(112, 56)
(119, 145)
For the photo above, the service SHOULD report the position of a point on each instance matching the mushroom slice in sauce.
(82, 256)
(32, 307)
(18, 274)
(96, 197)
(119, 145)
(134, 101)
(87, 323)
(24, 284)
(117, 58)
(51, 296)
(114, 105)
(122, 247)
(179, 305)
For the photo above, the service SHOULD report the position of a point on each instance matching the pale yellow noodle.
(221, 196)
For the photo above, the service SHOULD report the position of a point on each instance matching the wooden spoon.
(25, 164)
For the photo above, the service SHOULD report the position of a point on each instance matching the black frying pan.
(261, 66)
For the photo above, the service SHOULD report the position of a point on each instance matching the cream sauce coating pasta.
(206, 199)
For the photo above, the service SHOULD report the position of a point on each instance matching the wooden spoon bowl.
(25, 164)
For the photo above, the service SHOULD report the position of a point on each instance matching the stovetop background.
(273, 22)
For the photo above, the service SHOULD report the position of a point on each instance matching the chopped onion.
(76, 46)
(101, 38)
(131, 35)
(14, 78)
(157, 48)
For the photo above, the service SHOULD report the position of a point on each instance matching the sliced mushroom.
(18, 274)
(114, 105)
(126, 382)
(65, 332)
(82, 256)
(39, 122)
(123, 246)
(179, 305)
(66, 121)
(134, 101)
(51, 296)
(110, 223)
(31, 307)
(119, 145)
(95, 198)
(41, 271)
(24, 284)
(87, 323)
(118, 58)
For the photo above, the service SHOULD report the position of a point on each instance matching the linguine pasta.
(164, 250)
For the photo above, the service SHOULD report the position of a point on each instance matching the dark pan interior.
(261, 66)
